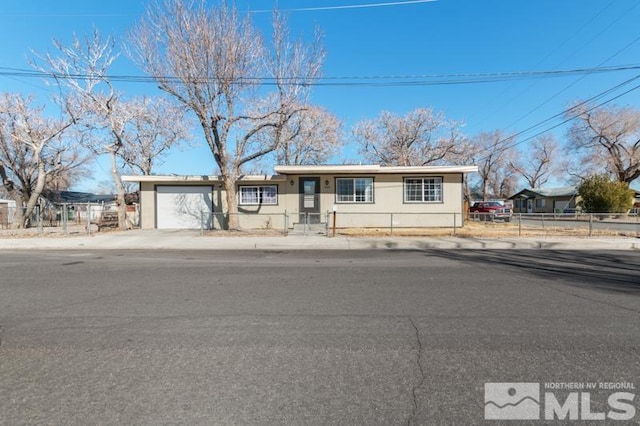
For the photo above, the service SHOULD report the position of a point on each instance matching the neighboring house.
(73, 197)
(636, 202)
(77, 204)
(361, 195)
(541, 200)
(7, 210)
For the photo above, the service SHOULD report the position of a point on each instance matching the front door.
(310, 199)
(530, 205)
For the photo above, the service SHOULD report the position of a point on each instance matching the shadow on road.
(617, 272)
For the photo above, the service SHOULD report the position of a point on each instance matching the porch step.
(311, 229)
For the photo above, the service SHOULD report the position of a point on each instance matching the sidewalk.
(192, 240)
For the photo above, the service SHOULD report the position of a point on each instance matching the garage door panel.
(183, 207)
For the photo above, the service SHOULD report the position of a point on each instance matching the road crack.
(414, 390)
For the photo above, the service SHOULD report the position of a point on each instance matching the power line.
(541, 61)
(564, 113)
(348, 6)
(344, 81)
(634, 41)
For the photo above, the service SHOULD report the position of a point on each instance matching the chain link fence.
(64, 218)
(85, 218)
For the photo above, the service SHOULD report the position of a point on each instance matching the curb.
(129, 241)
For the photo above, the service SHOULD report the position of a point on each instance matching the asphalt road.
(310, 337)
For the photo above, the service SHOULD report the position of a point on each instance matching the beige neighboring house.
(546, 200)
(361, 195)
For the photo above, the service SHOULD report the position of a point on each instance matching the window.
(254, 195)
(541, 202)
(354, 190)
(423, 190)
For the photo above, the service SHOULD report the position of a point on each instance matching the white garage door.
(183, 207)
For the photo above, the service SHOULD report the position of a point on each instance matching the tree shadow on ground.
(608, 271)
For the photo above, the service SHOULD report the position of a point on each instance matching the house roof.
(60, 197)
(300, 170)
(565, 191)
(372, 168)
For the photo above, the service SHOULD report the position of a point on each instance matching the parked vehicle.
(490, 210)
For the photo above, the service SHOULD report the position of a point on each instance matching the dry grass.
(470, 230)
(244, 233)
(484, 230)
(49, 232)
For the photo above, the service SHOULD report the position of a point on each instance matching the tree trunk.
(35, 194)
(233, 220)
(122, 207)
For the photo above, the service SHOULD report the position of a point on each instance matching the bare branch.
(607, 139)
(422, 137)
(207, 59)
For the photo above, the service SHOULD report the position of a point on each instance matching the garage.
(183, 207)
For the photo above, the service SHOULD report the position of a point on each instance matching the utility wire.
(347, 6)
(634, 41)
(564, 113)
(344, 81)
(547, 56)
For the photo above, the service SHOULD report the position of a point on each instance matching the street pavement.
(306, 337)
(193, 240)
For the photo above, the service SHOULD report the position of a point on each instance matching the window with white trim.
(258, 195)
(354, 190)
(423, 190)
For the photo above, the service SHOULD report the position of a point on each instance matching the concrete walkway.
(192, 240)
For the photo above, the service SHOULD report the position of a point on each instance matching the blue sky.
(416, 39)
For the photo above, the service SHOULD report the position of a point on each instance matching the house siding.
(388, 198)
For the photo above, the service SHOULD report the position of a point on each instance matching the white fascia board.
(372, 169)
(199, 179)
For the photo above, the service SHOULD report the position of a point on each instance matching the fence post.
(284, 220)
(64, 218)
(306, 223)
(519, 224)
(391, 228)
(335, 219)
(39, 218)
(89, 218)
(454, 224)
(590, 224)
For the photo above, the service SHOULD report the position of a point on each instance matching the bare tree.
(502, 182)
(154, 126)
(420, 138)
(209, 59)
(311, 137)
(493, 153)
(34, 150)
(137, 132)
(607, 138)
(82, 67)
(539, 162)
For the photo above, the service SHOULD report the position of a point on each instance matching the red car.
(490, 210)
